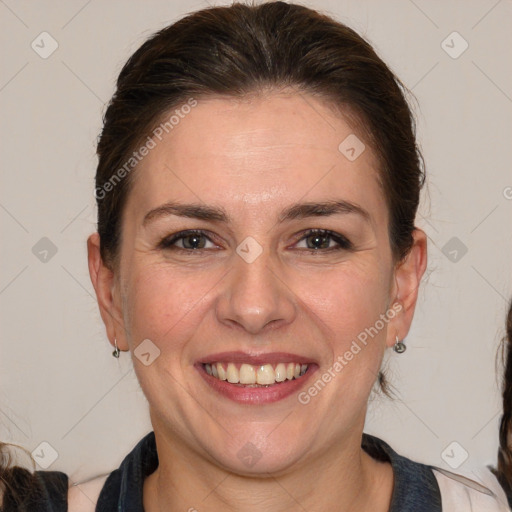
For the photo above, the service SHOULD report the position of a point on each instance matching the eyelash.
(343, 243)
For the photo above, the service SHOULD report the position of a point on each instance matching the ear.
(408, 274)
(105, 285)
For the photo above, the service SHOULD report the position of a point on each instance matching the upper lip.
(255, 359)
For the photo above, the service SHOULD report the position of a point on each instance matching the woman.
(257, 187)
(504, 469)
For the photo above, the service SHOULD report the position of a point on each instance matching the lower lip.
(256, 395)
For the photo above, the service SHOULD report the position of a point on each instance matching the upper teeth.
(262, 374)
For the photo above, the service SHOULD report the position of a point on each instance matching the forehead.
(261, 151)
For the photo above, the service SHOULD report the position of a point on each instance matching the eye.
(191, 240)
(320, 241)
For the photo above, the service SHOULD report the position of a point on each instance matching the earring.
(399, 346)
(117, 351)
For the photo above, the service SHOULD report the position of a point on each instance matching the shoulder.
(415, 487)
(57, 491)
(477, 491)
(82, 497)
(110, 491)
(427, 488)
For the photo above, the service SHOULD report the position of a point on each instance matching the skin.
(254, 157)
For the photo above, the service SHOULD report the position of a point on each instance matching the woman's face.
(249, 295)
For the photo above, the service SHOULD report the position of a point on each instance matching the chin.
(244, 457)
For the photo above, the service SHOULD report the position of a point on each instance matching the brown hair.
(18, 485)
(504, 469)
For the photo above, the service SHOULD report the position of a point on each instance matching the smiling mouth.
(262, 375)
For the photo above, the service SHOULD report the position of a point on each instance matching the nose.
(255, 295)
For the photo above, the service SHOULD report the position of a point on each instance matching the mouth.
(250, 379)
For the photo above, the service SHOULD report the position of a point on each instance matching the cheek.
(162, 301)
(347, 300)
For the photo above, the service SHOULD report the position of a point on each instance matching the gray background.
(59, 382)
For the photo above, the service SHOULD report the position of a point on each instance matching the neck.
(344, 478)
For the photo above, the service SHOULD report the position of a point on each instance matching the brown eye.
(191, 240)
(321, 240)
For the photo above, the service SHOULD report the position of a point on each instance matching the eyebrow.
(295, 211)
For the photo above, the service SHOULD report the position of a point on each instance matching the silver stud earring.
(399, 346)
(117, 351)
